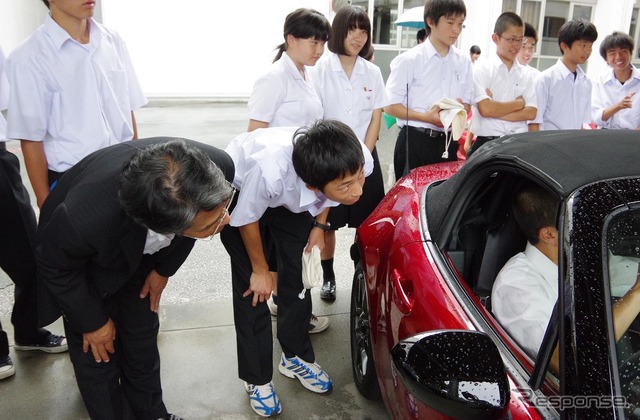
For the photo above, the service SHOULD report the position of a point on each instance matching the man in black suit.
(111, 233)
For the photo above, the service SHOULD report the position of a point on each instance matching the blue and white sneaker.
(310, 375)
(263, 399)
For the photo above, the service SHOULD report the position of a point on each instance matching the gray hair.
(165, 185)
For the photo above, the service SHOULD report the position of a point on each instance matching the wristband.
(321, 226)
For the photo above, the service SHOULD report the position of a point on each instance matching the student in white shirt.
(615, 101)
(287, 179)
(505, 96)
(284, 95)
(352, 91)
(528, 48)
(423, 76)
(563, 91)
(73, 92)
(526, 288)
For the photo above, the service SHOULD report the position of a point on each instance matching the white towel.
(452, 114)
(312, 269)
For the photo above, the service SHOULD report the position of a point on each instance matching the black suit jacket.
(87, 248)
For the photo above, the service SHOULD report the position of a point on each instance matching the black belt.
(429, 132)
(487, 138)
(3, 145)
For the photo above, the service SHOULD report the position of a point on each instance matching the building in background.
(204, 48)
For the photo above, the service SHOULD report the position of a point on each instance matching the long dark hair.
(304, 23)
(346, 19)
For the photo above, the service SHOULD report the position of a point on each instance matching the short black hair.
(505, 21)
(576, 30)
(346, 19)
(435, 9)
(304, 23)
(530, 31)
(534, 208)
(165, 185)
(475, 50)
(616, 40)
(326, 151)
(421, 35)
(46, 3)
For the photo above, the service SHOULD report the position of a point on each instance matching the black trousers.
(17, 233)
(288, 233)
(128, 386)
(425, 147)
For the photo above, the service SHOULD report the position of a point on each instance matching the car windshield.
(623, 255)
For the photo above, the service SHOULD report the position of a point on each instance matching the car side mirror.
(457, 373)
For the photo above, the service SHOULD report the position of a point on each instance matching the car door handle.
(403, 292)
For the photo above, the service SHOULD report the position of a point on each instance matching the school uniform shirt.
(75, 98)
(564, 100)
(608, 91)
(283, 98)
(523, 297)
(4, 97)
(430, 77)
(349, 100)
(505, 85)
(266, 178)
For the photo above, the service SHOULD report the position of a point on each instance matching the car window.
(623, 257)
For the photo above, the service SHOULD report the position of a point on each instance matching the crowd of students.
(300, 172)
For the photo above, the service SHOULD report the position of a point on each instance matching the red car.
(422, 332)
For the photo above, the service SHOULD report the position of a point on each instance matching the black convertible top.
(564, 160)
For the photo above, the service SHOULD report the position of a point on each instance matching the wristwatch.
(321, 225)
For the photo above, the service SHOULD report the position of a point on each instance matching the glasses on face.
(514, 41)
(222, 216)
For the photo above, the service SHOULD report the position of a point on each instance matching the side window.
(623, 258)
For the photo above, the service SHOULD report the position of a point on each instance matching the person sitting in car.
(526, 288)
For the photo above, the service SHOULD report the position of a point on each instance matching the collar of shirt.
(430, 50)
(336, 64)
(542, 264)
(156, 241)
(497, 62)
(611, 78)
(291, 66)
(307, 197)
(565, 72)
(59, 35)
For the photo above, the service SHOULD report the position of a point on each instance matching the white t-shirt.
(564, 100)
(608, 91)
(505, 85)
(283, 98)
(353, 100)
(75, 98)
(429, 77)
(523, 297)
(4, 97)
(265, 176)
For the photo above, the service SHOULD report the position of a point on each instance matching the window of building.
(634, 28)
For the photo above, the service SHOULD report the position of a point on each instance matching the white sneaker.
(310, 375)
(318, 324)
(263, 399)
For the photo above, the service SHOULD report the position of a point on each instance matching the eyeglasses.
(222, 216)
(514, 41)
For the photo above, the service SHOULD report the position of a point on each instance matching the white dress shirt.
(350, 100)
(429, 77)
(506, 85)
(523, 297)
(75, 98)
(4, 97)
(564, 101)
(608, 91)
(283, 98)
(265, 176)
(156, 241)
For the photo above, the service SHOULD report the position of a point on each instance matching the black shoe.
(52, 343)
(6, 367)
(328, 291)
